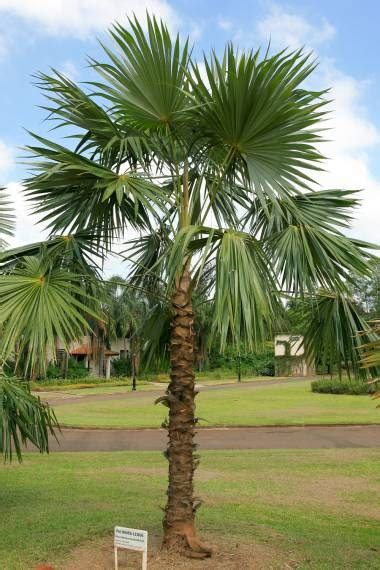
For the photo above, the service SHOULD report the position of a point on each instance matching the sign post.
(131, 539)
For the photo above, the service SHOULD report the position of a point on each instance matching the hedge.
(346, 386)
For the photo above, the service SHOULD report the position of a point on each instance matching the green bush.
(53, 371)
(336, 386)
(87, 382)
(121, 367)
(251, 364)
(75, 370)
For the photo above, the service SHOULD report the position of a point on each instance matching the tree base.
(183, 540)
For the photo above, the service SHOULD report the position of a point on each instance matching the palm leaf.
(146, 82)
(80, 252)
(38, 304)
(72, 193)
(246, 303)
(301, 236)
(23, 418)
(255, 119)
(370, 351)
(101, 134)
(6, 217)
(336, 332)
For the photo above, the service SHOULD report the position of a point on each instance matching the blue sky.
(36, 34)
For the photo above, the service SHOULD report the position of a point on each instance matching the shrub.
(75, 370)
(251, 364)
(53, 371)
(121, 366)
(336, 386)
(267, 369)
(58, 384)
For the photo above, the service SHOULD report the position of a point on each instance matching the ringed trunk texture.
(179, 519)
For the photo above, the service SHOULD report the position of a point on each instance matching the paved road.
(308, 437)
(65, 398)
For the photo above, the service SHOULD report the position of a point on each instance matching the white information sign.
(131, 539)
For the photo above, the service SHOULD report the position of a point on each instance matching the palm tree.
(48, 290)
(127, 310)
(39, 303)
(335, 333)
(213, 165)
(370, 352)
(23, 417)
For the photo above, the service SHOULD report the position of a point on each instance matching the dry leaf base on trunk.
(179, 520)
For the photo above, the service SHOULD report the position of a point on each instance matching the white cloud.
(291, 30)
(69, 69)
(195, 30)
(27, 230)
(6, 158)
(352, 135)
(4, 42)
(352, 129)
(224, 24)
(80, 18)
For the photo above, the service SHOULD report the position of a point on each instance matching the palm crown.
(212, 162)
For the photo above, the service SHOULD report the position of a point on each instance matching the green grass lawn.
(101, 386)
(322, 505)
(287, 404)
(142, 386)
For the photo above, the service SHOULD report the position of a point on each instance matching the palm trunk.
(179, 520)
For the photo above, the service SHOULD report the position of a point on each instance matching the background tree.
(334, 334)
(23, 417)
(48, 291)
(212, 168)
(126, 309)
(366, 292)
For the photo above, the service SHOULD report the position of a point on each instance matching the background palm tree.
(23, 417)
(213, 165)
(48, 290)
(334, 334)
(126, 310)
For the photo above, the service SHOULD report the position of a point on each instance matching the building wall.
(290, 357)
(120, 345)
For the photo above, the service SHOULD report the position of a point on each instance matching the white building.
(97, 358)
(290, 358)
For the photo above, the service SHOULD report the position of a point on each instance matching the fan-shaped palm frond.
(301, 236)
(336, 332)
(246, 303)
(148, 254)
(370, 351)
(23, 418)
(101, 135)
(6, 217)
(146, 86)
(37, 304)
(81, 253)
(74, 193)
(256, 119)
